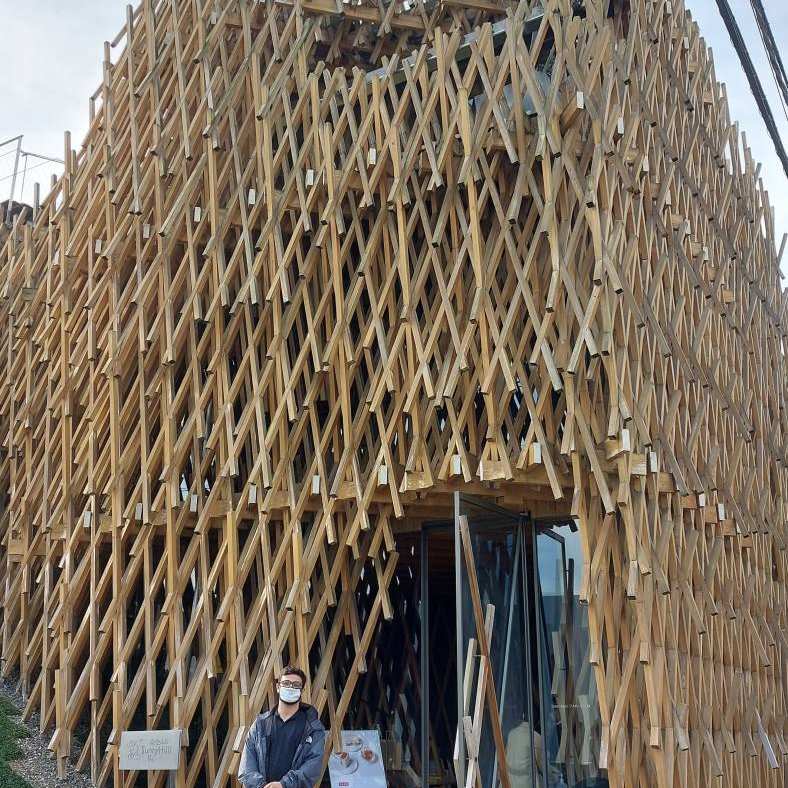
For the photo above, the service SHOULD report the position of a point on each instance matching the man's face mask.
(289, 691)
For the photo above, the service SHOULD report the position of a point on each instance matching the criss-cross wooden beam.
(317, 266)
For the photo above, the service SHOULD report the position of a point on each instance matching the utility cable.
(772, 52)
(752, 77)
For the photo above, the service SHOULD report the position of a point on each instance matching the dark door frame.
(424, 635)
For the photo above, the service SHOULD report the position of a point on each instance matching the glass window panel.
(498, 561)
(568, 685)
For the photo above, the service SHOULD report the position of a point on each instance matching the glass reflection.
(497, 547)
(539, 649)
(568, 687)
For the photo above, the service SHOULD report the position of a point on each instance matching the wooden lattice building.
(435, 345)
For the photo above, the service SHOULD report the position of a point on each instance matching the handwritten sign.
(143, 750)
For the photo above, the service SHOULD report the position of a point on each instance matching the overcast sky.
(52, 64)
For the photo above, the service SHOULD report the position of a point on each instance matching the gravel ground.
(38, 766)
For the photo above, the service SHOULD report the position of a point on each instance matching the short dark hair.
(292, 670)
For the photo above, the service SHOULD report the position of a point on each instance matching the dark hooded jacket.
(307, 761)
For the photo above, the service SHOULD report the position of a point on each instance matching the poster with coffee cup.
(359, 762)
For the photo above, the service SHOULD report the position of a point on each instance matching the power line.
(772, 52)
(752, 77)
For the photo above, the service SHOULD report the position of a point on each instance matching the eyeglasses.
(290, 684)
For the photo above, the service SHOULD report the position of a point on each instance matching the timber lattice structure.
(319, 264)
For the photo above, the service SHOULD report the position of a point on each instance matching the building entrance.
(528, 572)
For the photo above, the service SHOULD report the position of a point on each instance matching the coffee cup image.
(369, 755)
(353, 743)
(345, 763)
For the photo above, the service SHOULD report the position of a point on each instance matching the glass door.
(496, 538)
(545, 687)
(549, 595)
(568, 699)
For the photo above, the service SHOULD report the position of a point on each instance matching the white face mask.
(289, 694)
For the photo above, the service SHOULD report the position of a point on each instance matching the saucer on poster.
(369, 755)
(352, 743)
(346, 765)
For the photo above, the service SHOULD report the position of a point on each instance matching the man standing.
(284, 748)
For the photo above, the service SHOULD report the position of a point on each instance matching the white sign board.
(360, 762)
(144, 750)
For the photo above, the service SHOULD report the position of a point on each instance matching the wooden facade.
(320, 264)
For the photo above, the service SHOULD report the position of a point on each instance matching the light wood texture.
(275, 305)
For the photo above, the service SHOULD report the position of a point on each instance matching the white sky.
(52, 64)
